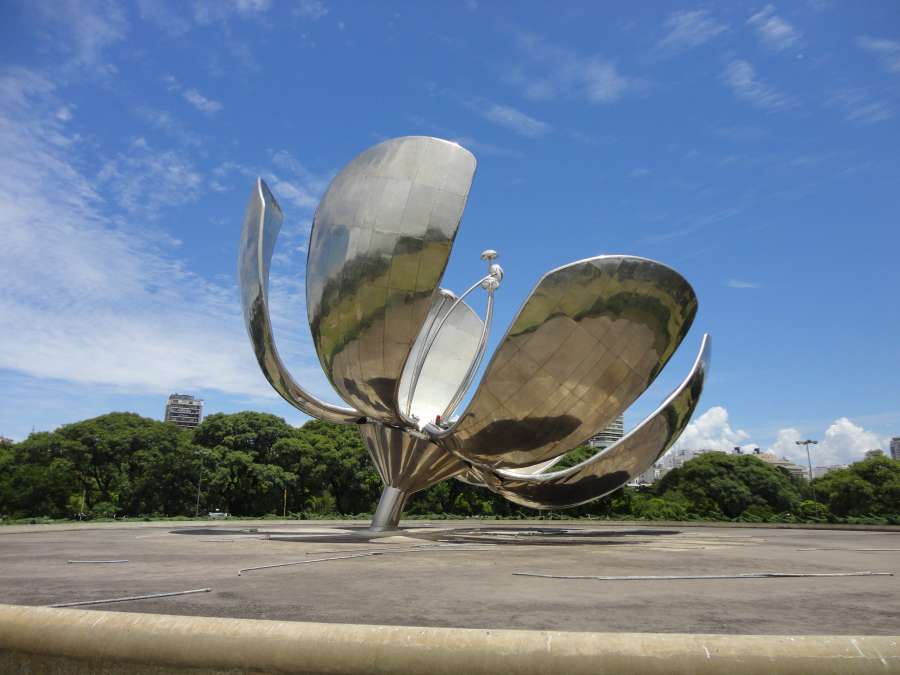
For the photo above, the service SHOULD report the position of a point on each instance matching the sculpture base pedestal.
(390, 506)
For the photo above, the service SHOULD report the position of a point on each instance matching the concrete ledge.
(40, 639)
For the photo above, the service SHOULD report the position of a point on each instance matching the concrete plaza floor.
(462, 574)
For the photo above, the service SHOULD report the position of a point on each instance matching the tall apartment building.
(609, 435)
(895, 448)
(184, 410)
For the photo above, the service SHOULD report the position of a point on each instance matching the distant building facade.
(876, 452)
(609, 435)
(673, 460)
(784, 463)
(895, 448)
(184, 410)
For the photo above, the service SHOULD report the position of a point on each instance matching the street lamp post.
(199, 484)
(807, 443)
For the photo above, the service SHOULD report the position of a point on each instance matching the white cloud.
(711, 431)
(741, 77)
(686, 29)
(859, 106)
(639, 172)
(741, 283)
(773, 32)
(550, 71)
(83, 30)
(201, 103)
(93, 298)
(843, 442)
(514, 120)
(888, 51)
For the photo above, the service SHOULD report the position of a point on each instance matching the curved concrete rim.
(41, 639)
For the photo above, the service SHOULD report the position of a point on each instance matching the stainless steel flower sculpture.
(403, 352)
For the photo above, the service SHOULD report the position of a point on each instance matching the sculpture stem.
(390, 506)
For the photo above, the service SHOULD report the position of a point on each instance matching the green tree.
(716, 484)
(867, 488)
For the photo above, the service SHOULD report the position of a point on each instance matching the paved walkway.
(462, 574)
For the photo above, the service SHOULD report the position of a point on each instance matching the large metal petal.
(380, 242)
(444, 368)
(262, 222)
(611, 468)
(591, 337)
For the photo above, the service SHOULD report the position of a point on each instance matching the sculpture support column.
(390, 506)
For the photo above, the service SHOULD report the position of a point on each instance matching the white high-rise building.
(895, 448)
(184, 410)
(609, 435)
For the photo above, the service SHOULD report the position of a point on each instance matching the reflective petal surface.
(262, 222)
(445, 366)
(380, 242)
(611, 468)
(406, 462)
(591, 337)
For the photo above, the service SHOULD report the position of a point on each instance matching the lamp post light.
(807, 443)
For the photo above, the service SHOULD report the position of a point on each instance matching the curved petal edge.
(262, 222)
(611, 468)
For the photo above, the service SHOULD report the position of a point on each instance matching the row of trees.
(254, 464)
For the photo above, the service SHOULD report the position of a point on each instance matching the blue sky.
(753, 147)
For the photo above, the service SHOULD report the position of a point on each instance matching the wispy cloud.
(746, 134)
(192, 96)
(98, 297)
(549, 71)
(692, 224)
(201, 102)
(177, 18)
(310, 9)
(83, 30)
(741, 283)
(742, 79)
(859, 106)
(165, 16)
(514, 120)
(888, 51)
(146, 181)
(639, 172)
(773, 31)
(475, 145)
(686, 29)
(209, 11)
(168, 125)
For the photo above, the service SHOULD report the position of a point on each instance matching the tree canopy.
(255, 464)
